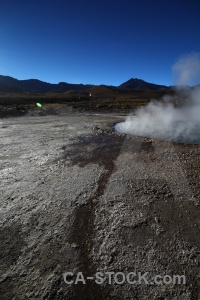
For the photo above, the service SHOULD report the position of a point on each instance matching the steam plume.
(187, 70)
(160, 119)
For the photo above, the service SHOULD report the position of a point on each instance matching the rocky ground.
(76, 196)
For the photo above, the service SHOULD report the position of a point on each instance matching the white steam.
(160, 119)
(187, 70)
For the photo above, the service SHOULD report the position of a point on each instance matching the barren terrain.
(76, 196)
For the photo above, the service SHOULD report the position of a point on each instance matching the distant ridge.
(10, 84)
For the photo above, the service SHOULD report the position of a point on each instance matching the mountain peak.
(139, 84)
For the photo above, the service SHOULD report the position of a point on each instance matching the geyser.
(160, 119)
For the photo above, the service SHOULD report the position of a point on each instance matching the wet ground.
(76, 196)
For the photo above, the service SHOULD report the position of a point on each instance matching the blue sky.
(97, 42)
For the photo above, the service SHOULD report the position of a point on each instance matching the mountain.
(196, 86)
(139, 84)
(9, 84)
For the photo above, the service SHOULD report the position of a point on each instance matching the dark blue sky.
(97, 42)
